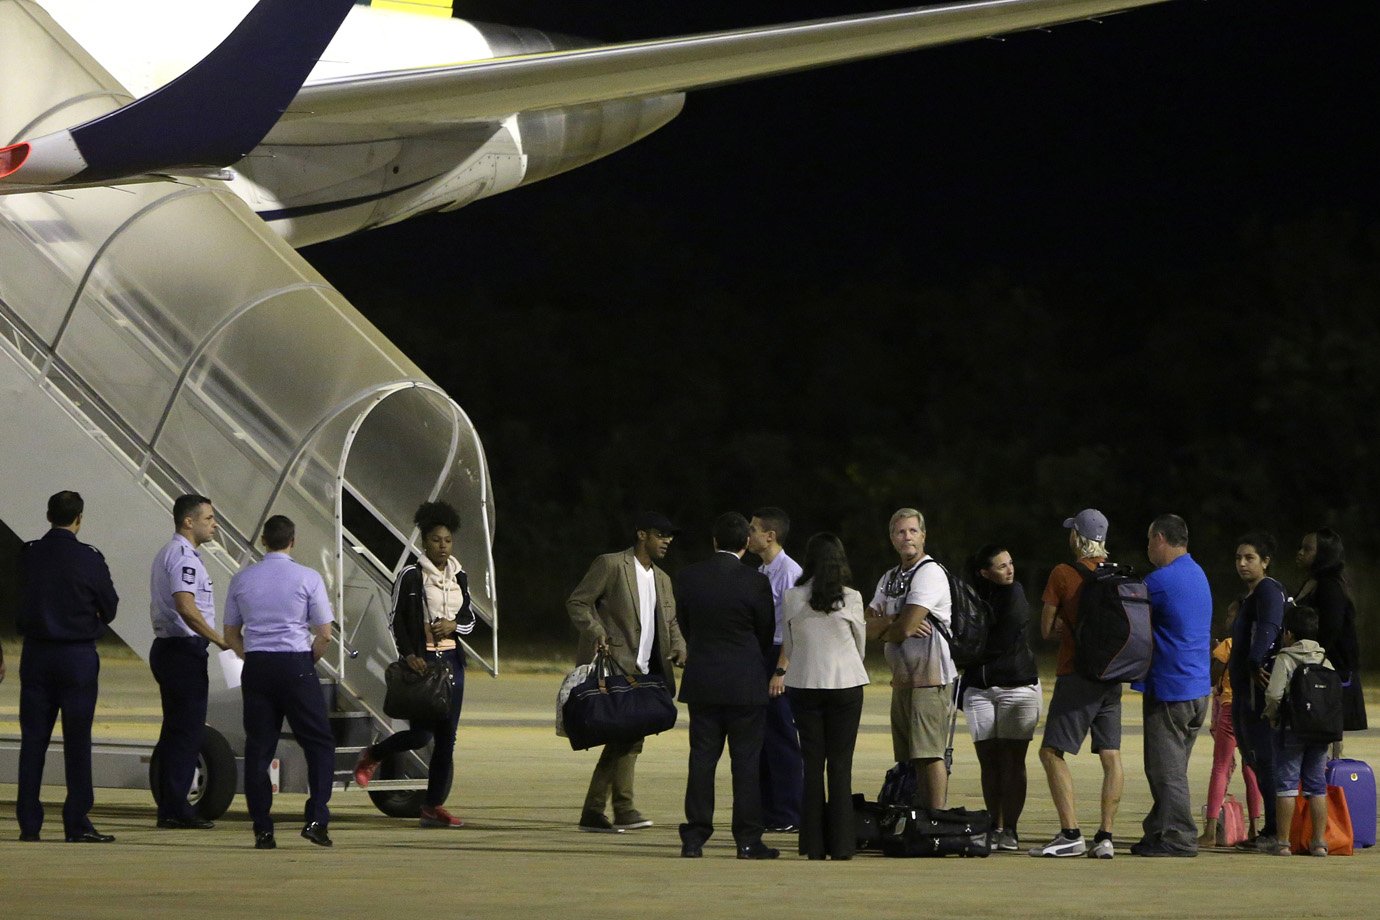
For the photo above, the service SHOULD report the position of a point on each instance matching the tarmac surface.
(519, 789)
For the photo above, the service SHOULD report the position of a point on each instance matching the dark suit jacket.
(728, 619)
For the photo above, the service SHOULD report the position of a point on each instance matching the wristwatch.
(780, 672)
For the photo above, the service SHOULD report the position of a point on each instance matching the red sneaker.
(365, 768)
(438, 817)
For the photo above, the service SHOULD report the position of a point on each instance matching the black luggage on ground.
(867, 822)
(918, 831)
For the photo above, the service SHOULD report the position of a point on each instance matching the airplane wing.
(490, 90)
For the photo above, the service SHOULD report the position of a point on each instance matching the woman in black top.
(1322, 556)
(431, 611)
(1001, 695)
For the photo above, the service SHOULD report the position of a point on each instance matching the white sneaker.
(1061, 846)
(1101, 849)
(1007, 840)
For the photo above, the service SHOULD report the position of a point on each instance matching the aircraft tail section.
(209, 117)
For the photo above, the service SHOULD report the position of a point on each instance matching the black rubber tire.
(213, 784)
(402, 803)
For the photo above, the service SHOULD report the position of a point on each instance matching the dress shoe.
(30, 838)
(1157, 848)
(91, 836)
(758, 850)
(186, 824)
(691, 850)
(784, 829)
(263, 840)
(316, 833)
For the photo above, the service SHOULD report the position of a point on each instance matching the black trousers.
(179, 666)
(828, 724)
(56, 677)
(741, 727)
(275, 685)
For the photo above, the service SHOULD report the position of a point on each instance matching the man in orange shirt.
(1079, 704)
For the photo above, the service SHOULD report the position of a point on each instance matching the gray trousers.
(614, 773)
(1170, 730)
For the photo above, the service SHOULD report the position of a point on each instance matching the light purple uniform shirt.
(177, 568)
(782, 572)
(276, 600)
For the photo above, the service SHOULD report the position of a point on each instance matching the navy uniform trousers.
(277, 685)
(179, 666)
(56, 677)
(783, 768)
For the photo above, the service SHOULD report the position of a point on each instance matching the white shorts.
(1003, 713)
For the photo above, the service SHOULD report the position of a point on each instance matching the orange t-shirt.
(1062, 591)
(1223, 653)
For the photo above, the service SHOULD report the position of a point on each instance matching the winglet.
(12, 157)
(210, 116)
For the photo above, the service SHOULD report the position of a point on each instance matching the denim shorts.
(1298, 761)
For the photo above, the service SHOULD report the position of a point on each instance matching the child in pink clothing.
(1224, 746)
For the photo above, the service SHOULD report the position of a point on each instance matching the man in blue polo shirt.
(1177, 687)
(278, 619)
(182, 606)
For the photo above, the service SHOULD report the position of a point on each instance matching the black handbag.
(417, 697)
(612, 705)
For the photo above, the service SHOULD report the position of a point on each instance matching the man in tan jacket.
(625, 605)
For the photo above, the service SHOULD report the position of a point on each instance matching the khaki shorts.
(920, 721)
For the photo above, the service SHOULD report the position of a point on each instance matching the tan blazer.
(604, 605)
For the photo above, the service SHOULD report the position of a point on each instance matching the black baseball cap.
(655, 520)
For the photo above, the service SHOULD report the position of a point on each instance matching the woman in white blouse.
(821, 665)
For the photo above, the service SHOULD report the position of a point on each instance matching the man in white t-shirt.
(909, 600)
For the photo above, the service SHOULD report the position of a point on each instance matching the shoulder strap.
(1083, 571)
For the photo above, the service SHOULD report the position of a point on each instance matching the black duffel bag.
(612, 705)
(918, 831)
(423, 697)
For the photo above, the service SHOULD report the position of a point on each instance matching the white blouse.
(825, 650)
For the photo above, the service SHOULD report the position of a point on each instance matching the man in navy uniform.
(183, 607)
(65, 601)
(278, 619)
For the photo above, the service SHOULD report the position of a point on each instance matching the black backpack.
(1112, 638)
(968, 621)
(1312, 709)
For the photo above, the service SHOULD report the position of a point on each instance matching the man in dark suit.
(727, 618)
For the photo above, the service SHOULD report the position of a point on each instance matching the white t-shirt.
(646, 604)
(919, 661)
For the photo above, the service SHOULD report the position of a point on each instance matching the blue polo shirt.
(277, 600)
(1181, 621)
(176, 569)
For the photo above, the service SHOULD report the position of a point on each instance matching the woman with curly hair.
(431, 610)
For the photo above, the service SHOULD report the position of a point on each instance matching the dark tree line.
(1240, 394)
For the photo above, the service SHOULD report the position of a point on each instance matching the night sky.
(961, 277)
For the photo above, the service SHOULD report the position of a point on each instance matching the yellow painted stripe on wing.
(422, 7)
